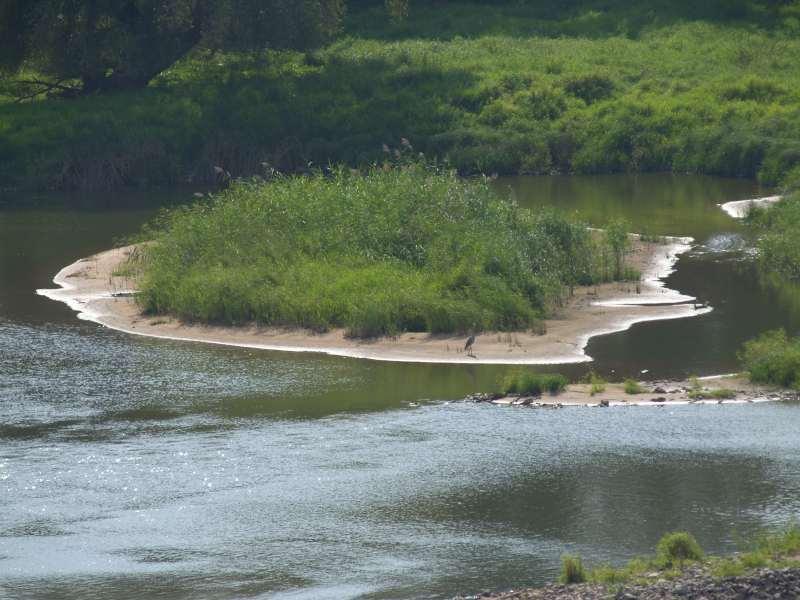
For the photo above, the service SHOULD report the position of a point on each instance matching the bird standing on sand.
(468, 345)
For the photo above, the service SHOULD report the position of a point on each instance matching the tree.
(122, 44)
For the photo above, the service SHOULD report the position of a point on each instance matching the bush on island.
(398, 248)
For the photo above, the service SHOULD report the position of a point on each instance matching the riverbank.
(596, 87)
(94, 288)
(724, 389)
(770, 568)
(772, 584)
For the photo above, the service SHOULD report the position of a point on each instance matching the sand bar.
(90, 287)
(739, 209)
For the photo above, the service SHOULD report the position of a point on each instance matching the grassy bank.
(549, 87)
(677, 551)
(403, 248)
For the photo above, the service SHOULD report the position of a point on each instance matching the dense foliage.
(778, 229)
(120, 44)
(520, 87)
(396, 249)
(773, 358)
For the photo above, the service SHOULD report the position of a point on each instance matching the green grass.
(572, 570)
(597, 385)
(528, 383)
(715, 394)
(678, 548)
(676, 551)
(772, 358)
(585, 87)
(778, 230)
(632, 386)
(397, 248)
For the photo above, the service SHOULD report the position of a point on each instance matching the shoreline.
(653, 393)
(89, 287)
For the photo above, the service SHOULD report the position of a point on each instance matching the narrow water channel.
(133, 467)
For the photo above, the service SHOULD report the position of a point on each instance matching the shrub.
(572, 570)
(528, 383)
(674, 549)
(772, 358)
(633, 387)
(554, 383)
(398, 248)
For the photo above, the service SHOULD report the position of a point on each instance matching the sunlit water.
(134, 467)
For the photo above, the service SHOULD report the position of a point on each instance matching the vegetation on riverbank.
(773, 358)
(679, 550)
(509, 88)
(778, 230)
(528, 383)
(403, 248)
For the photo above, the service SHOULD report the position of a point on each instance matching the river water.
(134, 467)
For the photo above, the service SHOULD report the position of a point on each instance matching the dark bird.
(468, 345)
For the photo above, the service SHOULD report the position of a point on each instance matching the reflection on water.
(133, 467)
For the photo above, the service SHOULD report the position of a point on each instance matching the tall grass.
(533, 384)
(403, 248)
(510, 88)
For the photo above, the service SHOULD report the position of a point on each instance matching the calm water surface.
(132, 467)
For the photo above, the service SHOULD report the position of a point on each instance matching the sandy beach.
(90, 287)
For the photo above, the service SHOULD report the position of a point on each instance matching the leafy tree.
(123, 44)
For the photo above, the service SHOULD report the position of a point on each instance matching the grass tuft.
(572, 570)
(676, 549)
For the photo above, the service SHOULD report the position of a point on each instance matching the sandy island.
(90, 287)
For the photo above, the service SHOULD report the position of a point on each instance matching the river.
(134, 467)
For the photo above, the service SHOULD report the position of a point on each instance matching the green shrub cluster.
(633, 387)
(772, 358)
(675, 549)
(403, 248)
(778, 229)
(528, 383)
(512, 88)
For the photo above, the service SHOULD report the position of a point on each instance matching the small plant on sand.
(619, 242)
(633, 387)
(597, 384)
(675, 549)
(572, 570)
